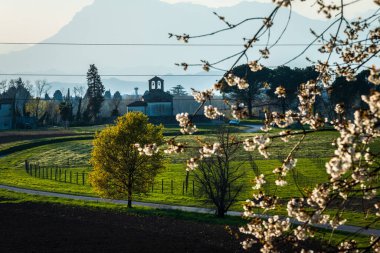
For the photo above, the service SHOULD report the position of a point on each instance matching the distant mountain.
(150, 21)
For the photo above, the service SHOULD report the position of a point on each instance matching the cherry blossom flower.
(212, 112)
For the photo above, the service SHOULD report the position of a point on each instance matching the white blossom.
(239, 111)
(148, 149)
(212, 112)
(281, 182)
(192, 164)
(230, 79)
(187, 127)
(339, 108)
(374, 76)
(255, 66)
(209, 150)
(280, 92)
(202, 96)
(259, 182)
(174, 148)
(260, 142)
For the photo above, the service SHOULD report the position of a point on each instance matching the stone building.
(155, 101)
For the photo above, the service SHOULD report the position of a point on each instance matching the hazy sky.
(36, 20)
(303, 8)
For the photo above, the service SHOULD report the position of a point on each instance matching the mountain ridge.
(132, 22)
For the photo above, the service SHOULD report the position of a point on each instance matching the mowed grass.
(78, 152)
(168, 128)
(309, 171)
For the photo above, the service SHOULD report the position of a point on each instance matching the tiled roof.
(137, 103)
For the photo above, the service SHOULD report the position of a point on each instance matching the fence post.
(183, 188)
(77, 177)
(83, 178)
(162, 186)
(35, 170)
(26, 166)
(193, 188)
(39, 171)
(60, 174)
(65, 176)
(51, 173)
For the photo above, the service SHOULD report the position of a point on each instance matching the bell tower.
(156, 83)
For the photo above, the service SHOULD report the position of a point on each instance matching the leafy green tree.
(119, 168)
(57, 96)
(289, 79)
(349, 93)
(94, 93)
(107, 94)
(256, 82)
(178, 90)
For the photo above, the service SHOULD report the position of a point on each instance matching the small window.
(159, 85)
(153, 84)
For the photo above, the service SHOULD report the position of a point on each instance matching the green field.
(73, 156)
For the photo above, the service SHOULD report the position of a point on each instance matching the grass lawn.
(309, 171)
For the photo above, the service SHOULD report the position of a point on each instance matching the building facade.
(155, 101)
(6, 114)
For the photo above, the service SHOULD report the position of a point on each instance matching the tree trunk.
(220, 212)
(249, 105)
(130, 194)
(78, 116)
(187, 180)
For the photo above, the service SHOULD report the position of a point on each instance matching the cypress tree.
(94, 93)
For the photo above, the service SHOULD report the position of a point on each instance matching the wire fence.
(78, 174)
(64, 174)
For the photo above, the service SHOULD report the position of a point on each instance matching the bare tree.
(41, 87)
(219, 174)
(116, 100)
(3, 86)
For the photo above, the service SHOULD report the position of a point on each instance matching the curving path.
(252, 128)
(343, 228)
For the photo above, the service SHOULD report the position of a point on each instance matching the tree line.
(83, 107)
(262, 84)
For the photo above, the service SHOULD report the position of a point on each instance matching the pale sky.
(36, 20)
(303, 8)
